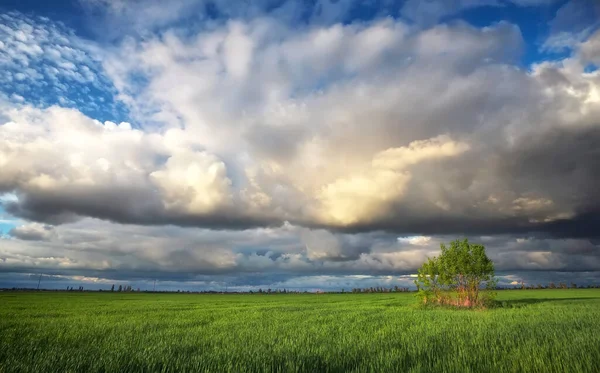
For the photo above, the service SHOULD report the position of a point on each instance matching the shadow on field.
(515, 303)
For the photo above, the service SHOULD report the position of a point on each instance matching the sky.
(305, 145)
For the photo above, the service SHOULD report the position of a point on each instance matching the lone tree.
(457, 276)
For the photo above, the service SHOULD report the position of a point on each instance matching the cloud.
(288, 256)
(282, 152)
(101, 249)
(590, 49)
(324, 245)
(530, 3)
(430, 12)
(32, 232)
(235, 137)
(194, 182)
(573, 23)
(357, 198)
(114, 19)
(62, 165)
(44, 63)
(416, 240)
(141, 16)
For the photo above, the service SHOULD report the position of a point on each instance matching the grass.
(536, 331)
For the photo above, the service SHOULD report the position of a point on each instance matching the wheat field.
(531, 331)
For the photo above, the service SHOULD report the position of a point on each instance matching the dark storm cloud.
(111, 252)
(563, 164)
(558, 168)
(134, 206)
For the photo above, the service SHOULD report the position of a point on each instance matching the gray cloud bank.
(96, 252)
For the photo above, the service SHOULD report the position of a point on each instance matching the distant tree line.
(379, 289)
(123, 288)
(561, 285)
(276, 291)
(518, 287)
(70, 288)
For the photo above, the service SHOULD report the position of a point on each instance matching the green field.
(535, 331)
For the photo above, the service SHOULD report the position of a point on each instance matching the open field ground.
(536, 331)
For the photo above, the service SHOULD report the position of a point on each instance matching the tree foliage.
(462, 275)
